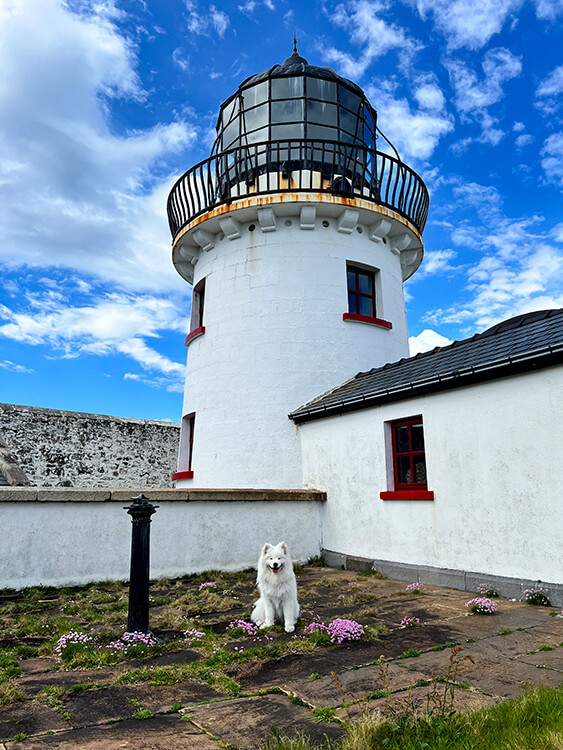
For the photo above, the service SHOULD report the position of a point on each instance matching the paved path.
(516, 648)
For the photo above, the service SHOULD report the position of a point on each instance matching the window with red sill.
(185, 470)
(409, 461)
(362, 282)
(198, 302)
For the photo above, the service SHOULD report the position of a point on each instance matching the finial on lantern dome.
(295, 52)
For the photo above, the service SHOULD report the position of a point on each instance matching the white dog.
(278, 589)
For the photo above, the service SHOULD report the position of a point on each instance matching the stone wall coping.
(22, 408)
(153, 494)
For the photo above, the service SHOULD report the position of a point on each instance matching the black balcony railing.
(298, 166)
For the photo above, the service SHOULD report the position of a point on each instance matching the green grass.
(533, 721)
(10, 694)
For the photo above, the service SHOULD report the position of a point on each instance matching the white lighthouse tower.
(297, 234)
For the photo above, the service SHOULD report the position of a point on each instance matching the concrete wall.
(275, 338)
(89, 450)
(493, 453)
(62, 537)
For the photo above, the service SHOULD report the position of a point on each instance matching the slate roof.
(514, 346)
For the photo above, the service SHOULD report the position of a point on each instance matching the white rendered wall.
(493, 453)
(274, 338)
(53, 543)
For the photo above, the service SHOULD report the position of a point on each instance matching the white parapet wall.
(63, 537)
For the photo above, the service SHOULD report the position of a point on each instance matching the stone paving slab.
(352, 685)
(513, 644)
(29, 718)
(548, 659)
(159, 733)
(246, 722)
(497, 676)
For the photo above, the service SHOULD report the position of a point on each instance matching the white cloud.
(549, 9)
(367, 28)
(202, 22)
(426, 341)
(74, 193)
(435, 262)
(13, 367)
(552, 158)
(112, 324)
(549, 92)
(524, 140)
(465, 23)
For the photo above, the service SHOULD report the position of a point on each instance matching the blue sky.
(104, 104)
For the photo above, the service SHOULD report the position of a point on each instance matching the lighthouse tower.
(297, 234)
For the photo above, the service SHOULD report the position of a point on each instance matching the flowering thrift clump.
(132, 643)
(410, 622)
(208, 585)
(72, 639)
(192, 636)
(482, 606)
(415, 588)
(338, 630)
(248, 628)
(485, 589)
(536, 596)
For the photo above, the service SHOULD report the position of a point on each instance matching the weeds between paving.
(205, 638)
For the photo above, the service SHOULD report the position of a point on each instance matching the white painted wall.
(493, 455)
(64, 543)
(274, 338)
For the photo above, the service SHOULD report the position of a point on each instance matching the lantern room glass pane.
(350, 100)
(286, 132)
(320, 133)
(287, 88)
(349, 122)
(255, 95)
(256, 136)
(322, 112)
(231, 134)
(256, 118)
(320, 88)
(287, 111)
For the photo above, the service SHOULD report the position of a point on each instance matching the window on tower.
(185, 470)
(408, 457)
(362, 295)
(196, 321)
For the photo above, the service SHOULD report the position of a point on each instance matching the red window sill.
(194, 334)
(407, 495)
(182, 475)
(367, 319)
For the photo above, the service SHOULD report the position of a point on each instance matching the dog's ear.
(283, 545)
(266, 548)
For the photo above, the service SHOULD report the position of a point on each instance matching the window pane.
(348, 121)
(352, 303)
(257, 117)
(366, 306)
(286, 132)
(366, 283)
(417, 437)
(287, 111)
(230, 134)
(255, 95)
(257, 136)
(321, 112)
(349, 100)
(320, 88)
(402, 438)
(419, 469)
(404, 475)
(287, 88)
(319, 133)
(352, 281)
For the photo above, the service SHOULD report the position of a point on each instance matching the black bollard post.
(140, 512)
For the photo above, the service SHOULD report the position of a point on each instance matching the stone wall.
(56, 448)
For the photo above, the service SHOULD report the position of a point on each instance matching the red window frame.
(355, 295)
(186, 472)
(400, 454)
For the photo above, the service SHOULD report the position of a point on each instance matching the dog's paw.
(289, 628)
(266, 625)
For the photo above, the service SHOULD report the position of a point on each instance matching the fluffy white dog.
(278, 589)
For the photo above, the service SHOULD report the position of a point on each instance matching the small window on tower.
(361, 291)
(196, 321)
(363, 283)
(185, 470)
